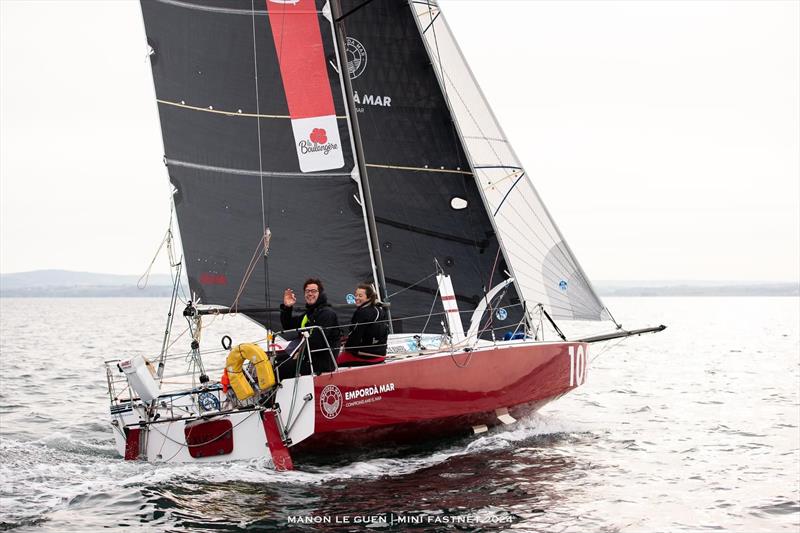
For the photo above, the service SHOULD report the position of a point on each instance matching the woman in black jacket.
(366, 342)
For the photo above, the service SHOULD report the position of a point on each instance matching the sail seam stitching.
(229, 113)
(421, 169)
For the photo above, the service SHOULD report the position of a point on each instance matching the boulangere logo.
(318, 143)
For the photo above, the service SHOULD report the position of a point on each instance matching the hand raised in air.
(289, 299)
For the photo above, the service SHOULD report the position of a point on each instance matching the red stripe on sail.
(298, 43)
(445, 298)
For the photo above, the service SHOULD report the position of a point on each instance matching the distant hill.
(66, 283)
(697, 288)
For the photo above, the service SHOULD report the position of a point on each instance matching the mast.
(338, 23)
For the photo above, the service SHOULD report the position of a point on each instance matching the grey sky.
(663, 136)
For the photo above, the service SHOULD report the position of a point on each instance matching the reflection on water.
(693, 428)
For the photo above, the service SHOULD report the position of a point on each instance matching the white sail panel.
(546, 270)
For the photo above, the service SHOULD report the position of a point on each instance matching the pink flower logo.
(318, 136)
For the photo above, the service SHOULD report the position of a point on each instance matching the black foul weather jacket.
(369, 331)
(319, 314)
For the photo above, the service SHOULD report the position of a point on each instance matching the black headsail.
(426, 202)
(256, 135)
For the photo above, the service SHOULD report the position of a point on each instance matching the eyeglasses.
(311, 291)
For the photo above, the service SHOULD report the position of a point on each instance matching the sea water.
(690, 429)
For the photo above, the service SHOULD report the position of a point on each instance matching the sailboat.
(345, 140)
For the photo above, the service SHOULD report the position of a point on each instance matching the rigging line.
(608, 348)
(237, 113)
(493, 185)
(481, 167)
(146, 275)
(431, 23)
(411, 286)
(491, 277)
(579, 308)
(507, 193)
(427, 290)
(420, 169)
(165, 240)
(413, 317)
(487, 138)
(345, 15)
(247, 273)
(264, 225)
(430, 312)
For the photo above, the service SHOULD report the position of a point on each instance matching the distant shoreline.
(777, 290)
(71, 284)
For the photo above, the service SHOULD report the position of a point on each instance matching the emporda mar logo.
(330, 402)
(356, 58)
(317, 142)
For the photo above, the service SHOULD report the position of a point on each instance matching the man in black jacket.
(318, 312)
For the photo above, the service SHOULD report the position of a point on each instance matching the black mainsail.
(230, 146)
(258, 134)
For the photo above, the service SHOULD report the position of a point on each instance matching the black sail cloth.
(418, 172)
(231, 156)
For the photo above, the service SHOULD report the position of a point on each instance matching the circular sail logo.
(356, 56)
(562, 285)
(501, 314)
(330, 401)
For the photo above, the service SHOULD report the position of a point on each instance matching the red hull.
(436, 395)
